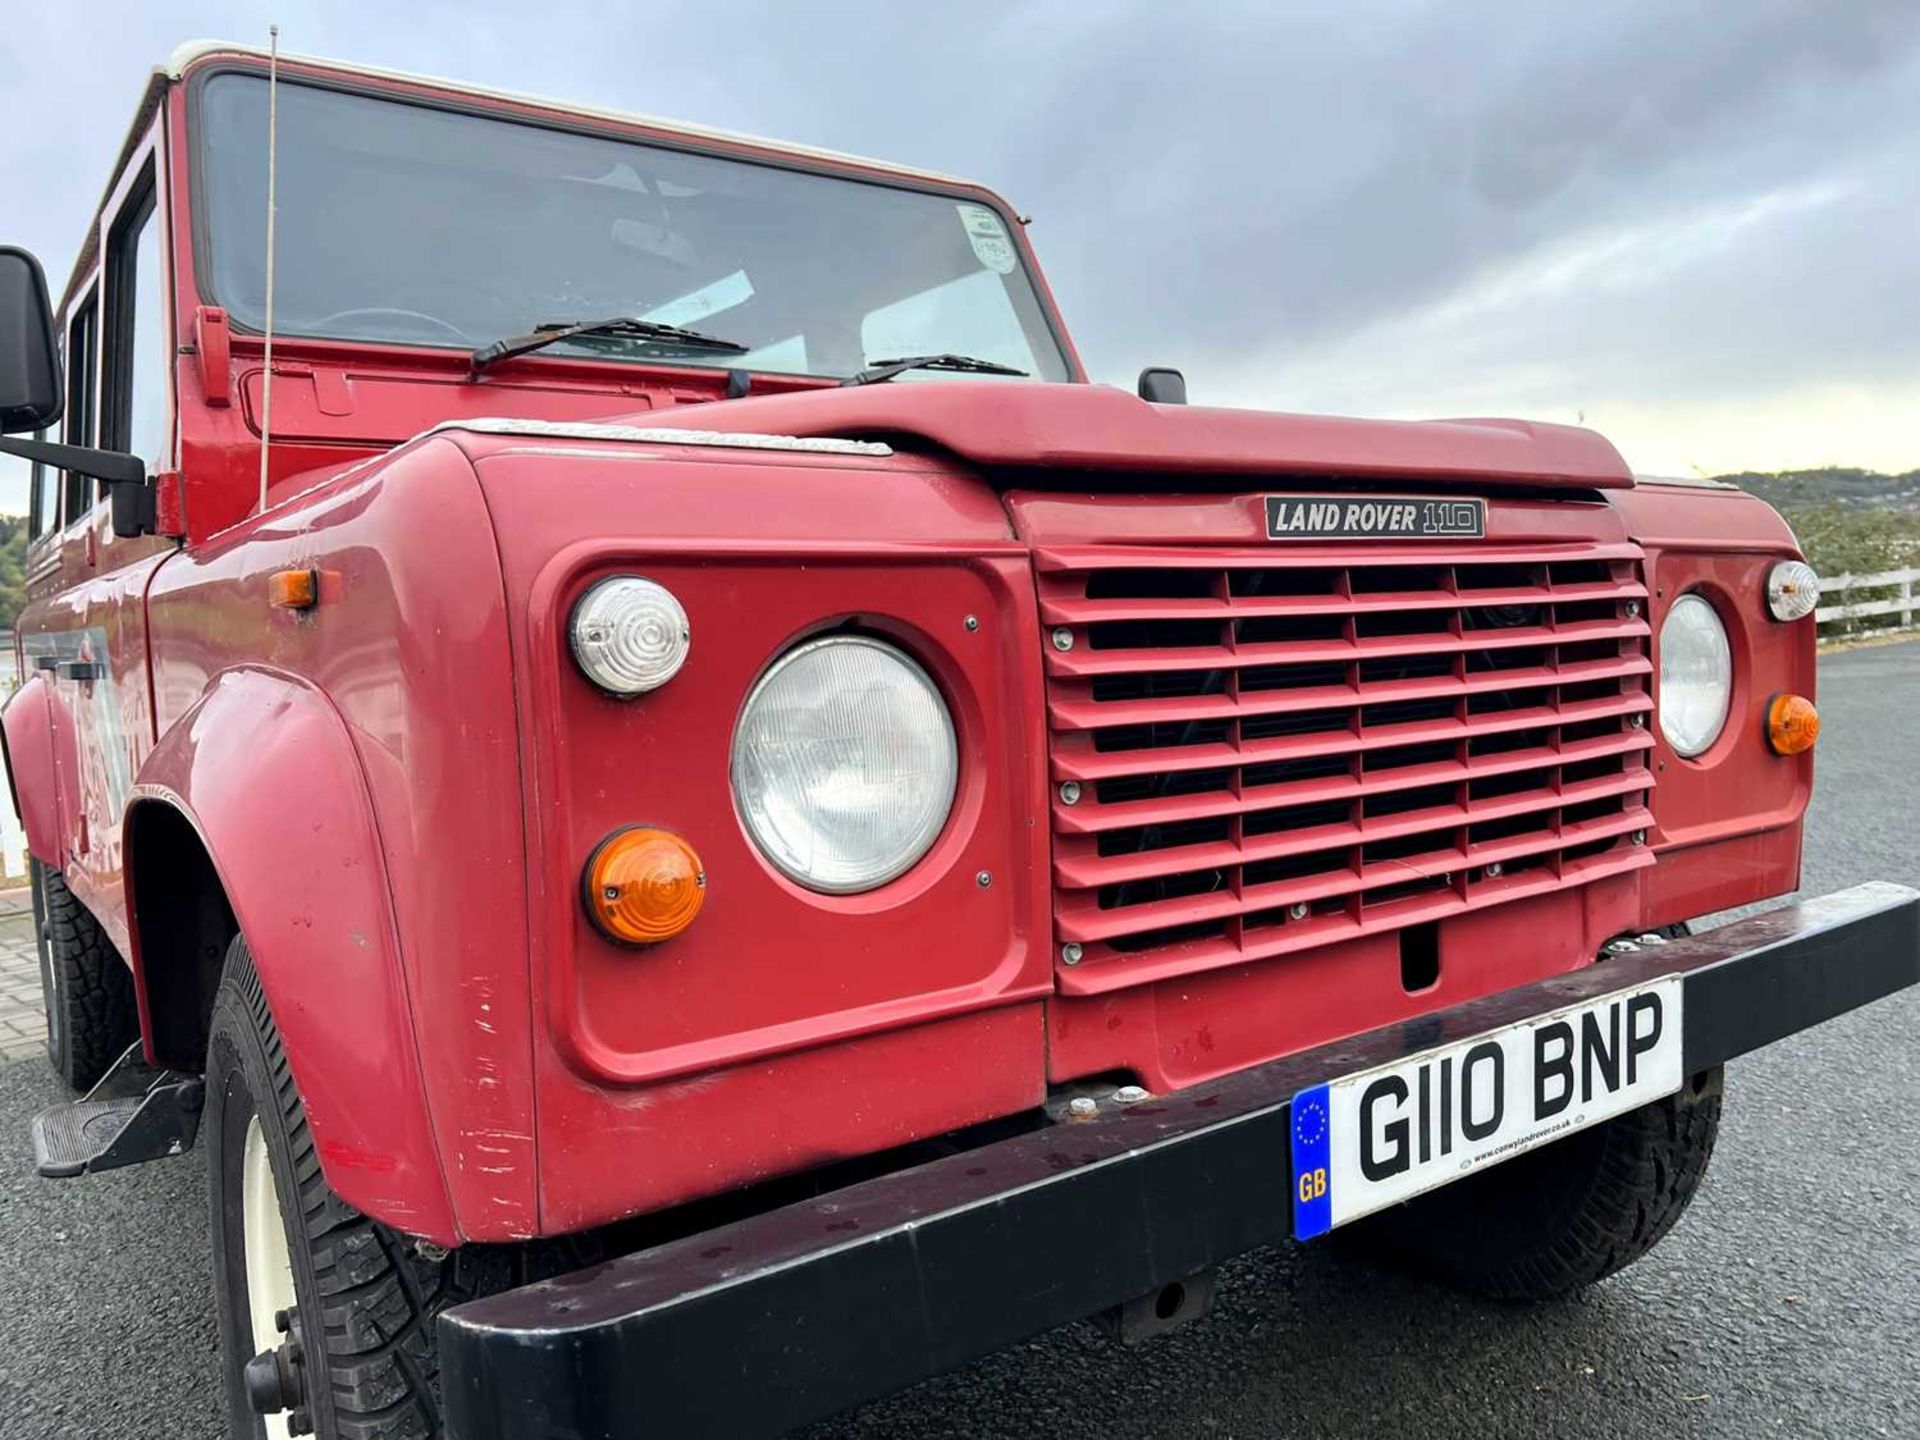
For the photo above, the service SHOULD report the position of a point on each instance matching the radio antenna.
(273, 149)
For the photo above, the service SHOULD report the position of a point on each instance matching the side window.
(139, 400)
(82, 332)
(43, 498)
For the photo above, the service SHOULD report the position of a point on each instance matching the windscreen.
(403, 223)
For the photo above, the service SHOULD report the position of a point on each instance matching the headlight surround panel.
(773, 964)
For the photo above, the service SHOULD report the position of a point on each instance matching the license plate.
(1374, 517)
(1367, 1141)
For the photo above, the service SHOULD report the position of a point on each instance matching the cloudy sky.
(1696, 225)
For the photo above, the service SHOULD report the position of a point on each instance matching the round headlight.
(630, 635)
(844, 764)
(1793, 589)
(1696, 675)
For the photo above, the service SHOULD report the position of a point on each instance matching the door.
(104, 680)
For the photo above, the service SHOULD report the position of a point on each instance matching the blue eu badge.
(1312, 1156)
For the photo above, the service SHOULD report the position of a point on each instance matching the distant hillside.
(1849, 489)
(1857, 522)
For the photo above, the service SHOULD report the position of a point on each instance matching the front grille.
(1267, 752)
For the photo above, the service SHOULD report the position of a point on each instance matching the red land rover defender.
(674, 797)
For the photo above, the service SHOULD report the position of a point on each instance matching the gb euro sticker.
(988, 236)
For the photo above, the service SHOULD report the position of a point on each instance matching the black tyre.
(1557, 1219)
(87, 989)
(360, 1297)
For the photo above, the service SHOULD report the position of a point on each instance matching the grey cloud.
(1217, 183)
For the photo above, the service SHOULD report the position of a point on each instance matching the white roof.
(193, 50)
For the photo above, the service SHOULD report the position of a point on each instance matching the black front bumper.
(797, 1313)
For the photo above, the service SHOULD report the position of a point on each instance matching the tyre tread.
(100, 1017)
(371, 1346)
(1645, 1171)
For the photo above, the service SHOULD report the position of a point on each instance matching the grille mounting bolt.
(1297, 910)
(1638, 722)
(983, 879)
(1633, 609)
(1069, 792)
(1070, 953)
(1063, 639)
(1639, 837)
(972, 622)
(1494, 869)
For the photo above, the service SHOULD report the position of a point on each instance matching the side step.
(135, 1113)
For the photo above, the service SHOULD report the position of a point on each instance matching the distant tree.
(13, 568)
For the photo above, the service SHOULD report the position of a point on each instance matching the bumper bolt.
(1070, 953)
(1297, 910)
(1063, 639)
(1070, 792)
(1082, 1107)
(1132, 1094)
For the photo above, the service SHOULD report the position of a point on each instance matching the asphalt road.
(1786, 1303)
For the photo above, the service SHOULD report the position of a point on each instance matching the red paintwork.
(399, 787)
(32, 737)
(309, 889)
(1094, 427)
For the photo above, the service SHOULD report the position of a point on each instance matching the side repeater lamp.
(1792, 724)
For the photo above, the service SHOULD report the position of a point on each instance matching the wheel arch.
(252, 815)
(35, 736)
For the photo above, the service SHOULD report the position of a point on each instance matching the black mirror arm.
(115, 467)
(124, 475)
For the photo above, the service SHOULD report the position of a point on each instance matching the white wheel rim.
(264, 1236)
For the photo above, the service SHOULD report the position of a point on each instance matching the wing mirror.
(30, 396)
(29, 364)
(1161, 386)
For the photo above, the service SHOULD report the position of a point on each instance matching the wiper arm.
(554, 331)
(887, 369)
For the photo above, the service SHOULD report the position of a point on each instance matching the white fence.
(1884, 603)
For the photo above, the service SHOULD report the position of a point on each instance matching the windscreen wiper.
(622, 326)
(887, 369)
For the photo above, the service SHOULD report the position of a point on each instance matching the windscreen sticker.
(988, 236)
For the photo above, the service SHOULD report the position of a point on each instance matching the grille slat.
(1072, 707)
(1122, 661)
(1094, 558)
(1278, 750)
(1088, 923)
(1067, 608)
(1219, 799)
(1097, 871)
(1075, 758)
